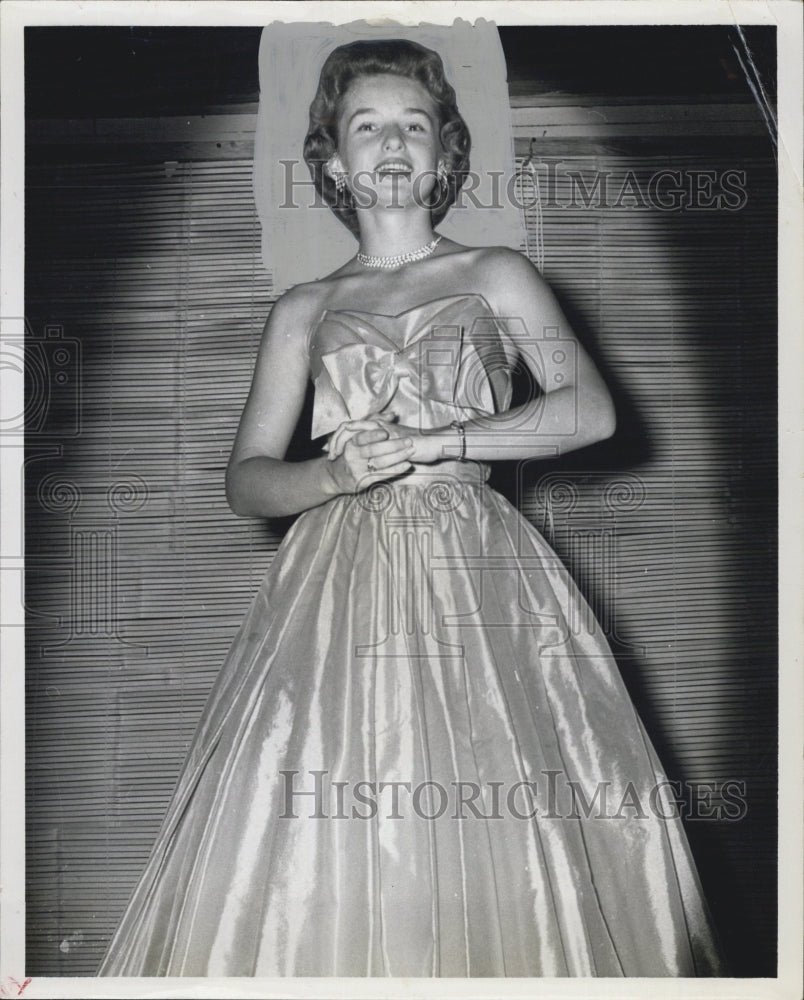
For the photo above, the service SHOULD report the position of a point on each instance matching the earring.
(442, 173)
(339, 176)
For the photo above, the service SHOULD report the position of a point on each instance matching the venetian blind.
(145, 289)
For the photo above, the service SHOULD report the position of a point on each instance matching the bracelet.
(461, 429)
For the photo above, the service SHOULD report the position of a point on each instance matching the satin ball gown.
(396, 771)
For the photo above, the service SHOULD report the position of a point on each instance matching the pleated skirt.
(419, 759)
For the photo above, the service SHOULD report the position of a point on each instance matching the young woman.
(412, 763)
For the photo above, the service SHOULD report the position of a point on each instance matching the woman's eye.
(365, 127)
(415, 127)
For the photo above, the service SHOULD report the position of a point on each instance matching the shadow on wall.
(682, 575)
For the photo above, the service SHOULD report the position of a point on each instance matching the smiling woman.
(414, 634)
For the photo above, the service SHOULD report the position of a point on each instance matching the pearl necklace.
(370, 260)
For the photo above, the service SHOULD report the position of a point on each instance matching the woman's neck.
(392, 232)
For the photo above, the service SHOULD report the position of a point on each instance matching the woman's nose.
(393, 137)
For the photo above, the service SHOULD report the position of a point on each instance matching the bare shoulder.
(508, 278)
(294, 313)
(516, 292)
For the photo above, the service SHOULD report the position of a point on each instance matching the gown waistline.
(444, 473)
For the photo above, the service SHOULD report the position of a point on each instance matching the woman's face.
(388, 140)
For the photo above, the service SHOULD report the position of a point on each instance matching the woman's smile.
(394, 167)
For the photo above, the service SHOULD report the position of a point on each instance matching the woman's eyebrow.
(406, 111)
(361, 111)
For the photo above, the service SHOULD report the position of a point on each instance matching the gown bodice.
(447, 359)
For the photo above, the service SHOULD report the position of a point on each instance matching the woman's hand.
(362, 452)
(426, 448)
(361, 431)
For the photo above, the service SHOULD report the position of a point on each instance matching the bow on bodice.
(440, 372)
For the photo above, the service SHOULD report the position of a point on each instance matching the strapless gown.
(413, 762)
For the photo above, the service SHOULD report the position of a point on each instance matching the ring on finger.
(370, 466)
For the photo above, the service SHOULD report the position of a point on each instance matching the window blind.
(148, 275)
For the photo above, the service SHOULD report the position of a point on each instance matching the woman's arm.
(576, 408)
(259, 483)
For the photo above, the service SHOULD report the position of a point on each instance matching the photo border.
(786, 15)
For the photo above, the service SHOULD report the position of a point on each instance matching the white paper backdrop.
(304, 243)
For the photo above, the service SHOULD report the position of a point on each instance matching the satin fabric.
(448, 359)
(423, 635)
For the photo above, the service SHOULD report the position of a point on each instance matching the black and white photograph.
(401, 455)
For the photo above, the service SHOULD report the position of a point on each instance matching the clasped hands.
(364, 452)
